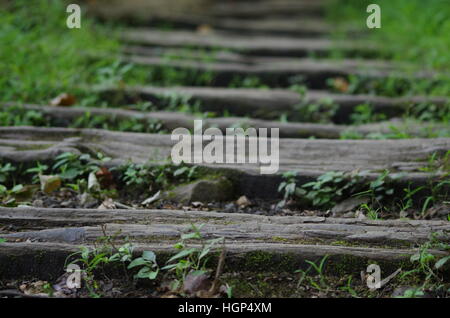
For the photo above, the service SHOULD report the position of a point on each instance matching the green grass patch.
(41, 57)
(411, 30)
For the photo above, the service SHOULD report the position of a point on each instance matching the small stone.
(87, 199)
(66, 204)
(107, 204)
(194, 283)
(348, 205)
(360, 215)
(243, 201)
(209, 190)
(404, 214)
(229, 208)
(197, 204)
(38, 203)
(349, 215)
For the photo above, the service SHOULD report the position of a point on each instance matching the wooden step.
(249, 45)
(252, 242)
(269, 104)
(264, 9)
(313, 73)
(52, 225)
(299, 27)
(311, 158)
(67, 116)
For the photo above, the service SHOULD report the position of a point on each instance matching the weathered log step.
(303, 27)
(47, 260)
(253, 243)
(249, 45)
(235, 57)
(264, 9)
(141, 12)
(270, 104)
(313, 73)
(166, 225)
(311, 158)
(64, 117)
(298, 27)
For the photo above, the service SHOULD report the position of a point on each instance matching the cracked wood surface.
(268, 104)
(309, 157)
(251, 45)
(314, 73)
(64, 117)
(167, 225)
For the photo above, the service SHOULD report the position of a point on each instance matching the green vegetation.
(149, 266)
(146, 176)
(95, 262)
(19, 116)
(190, 260)
(413, 33)
(332, 187)
(85, 173)
(428, 269)
(364, 114)
(318, 281)
(44, 57)
(70, 166)
(384, 193)
(411, 30)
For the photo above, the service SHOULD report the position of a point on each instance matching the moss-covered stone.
(216, 189)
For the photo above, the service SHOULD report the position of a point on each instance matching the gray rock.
(195, 283)
(349, 215)
(408, 291)
(66, 235)
(348, 205)
(207, 190)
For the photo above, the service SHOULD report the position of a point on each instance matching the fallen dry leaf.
(152, 199)
(49, 183)
(63, 99)
(341, 84)
(105, 178)
(93, 184)
(204, 29)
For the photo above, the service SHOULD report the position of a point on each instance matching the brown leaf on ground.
(341, 84)
(63, 99)
(49, 183)
(105, 178)
(204, 29)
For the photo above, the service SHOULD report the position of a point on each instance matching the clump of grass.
(411, 30)
(41, 57)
